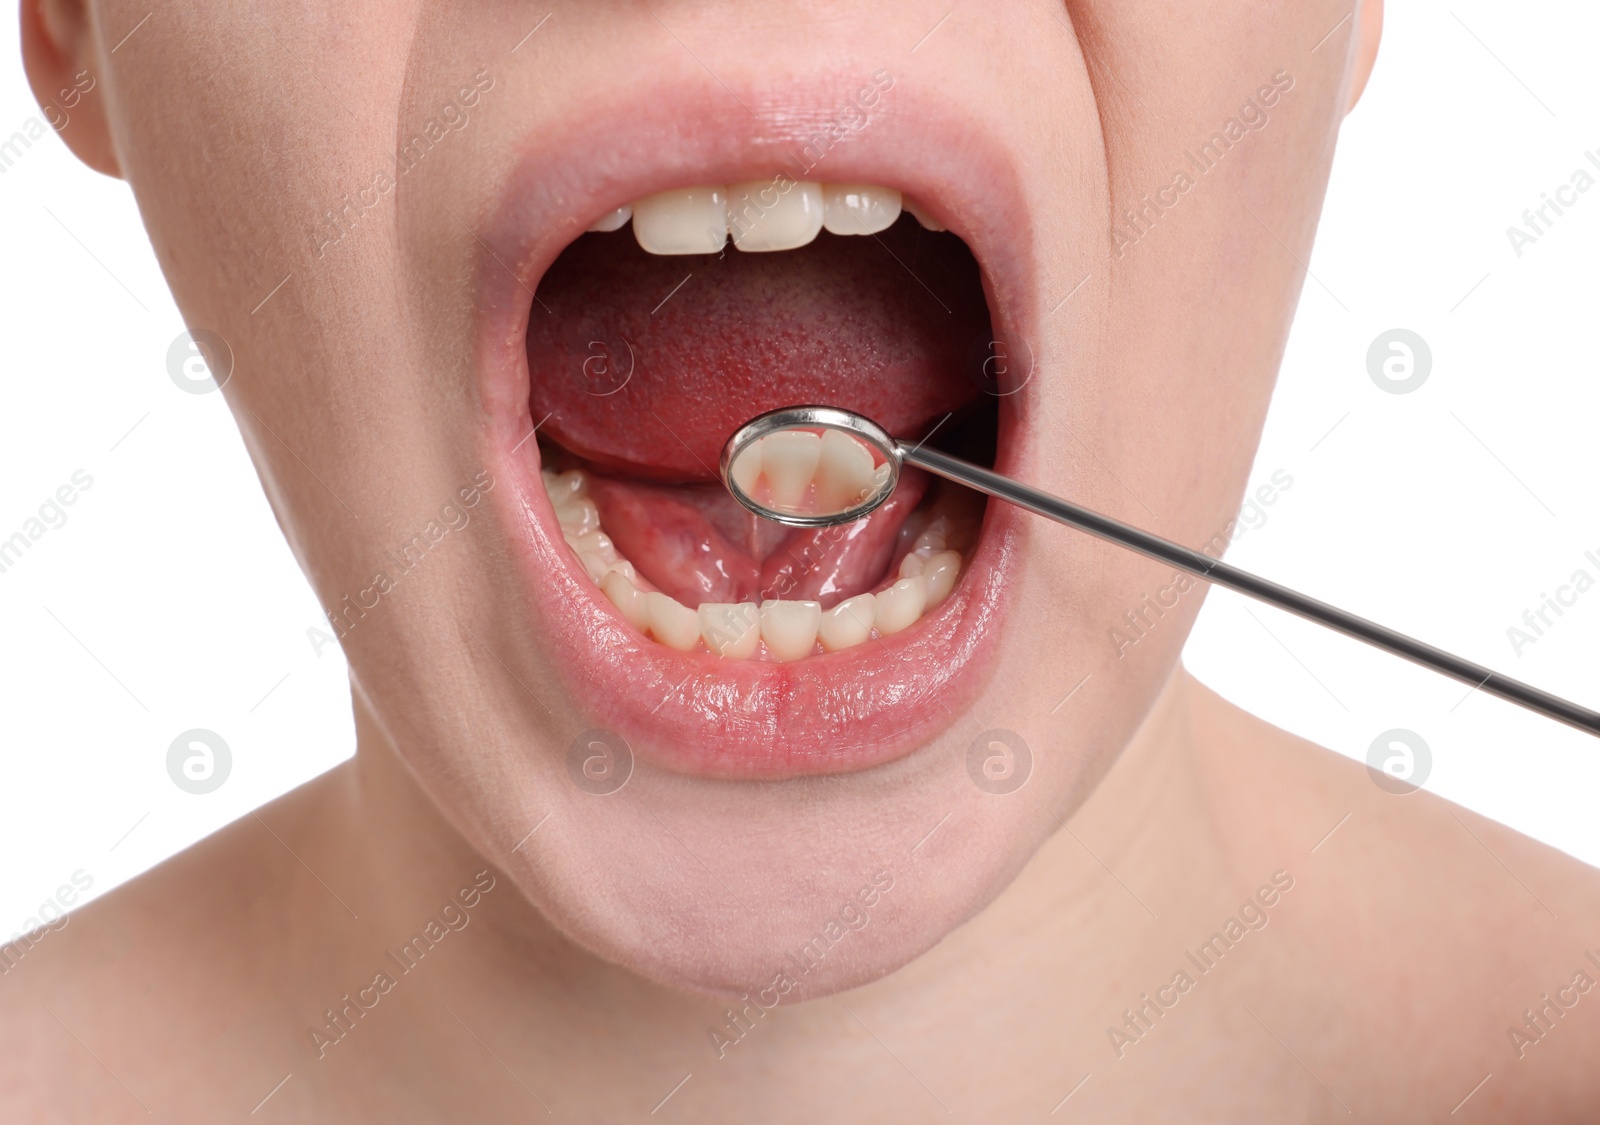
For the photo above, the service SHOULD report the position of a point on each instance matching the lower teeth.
(777, 629)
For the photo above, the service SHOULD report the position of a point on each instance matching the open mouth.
(716, 642)
(786, 292)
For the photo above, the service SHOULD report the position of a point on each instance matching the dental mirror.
(811, 466)
(819, 466)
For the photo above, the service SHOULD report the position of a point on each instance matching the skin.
(1017, 928)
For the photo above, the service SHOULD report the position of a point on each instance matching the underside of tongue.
(697, 544)
(642, 365)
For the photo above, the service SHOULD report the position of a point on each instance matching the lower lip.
(695, 713)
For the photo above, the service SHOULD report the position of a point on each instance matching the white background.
(169, 601)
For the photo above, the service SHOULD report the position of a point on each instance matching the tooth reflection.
(806, 473)
(789, 461)
(844, 473)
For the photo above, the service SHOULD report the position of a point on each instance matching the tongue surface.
(645, 364)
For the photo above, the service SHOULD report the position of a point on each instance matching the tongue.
(697, 544)
(642, 375)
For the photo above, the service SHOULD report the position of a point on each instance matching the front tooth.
(858, 208)
(789, 460)
(843, 473)
(632, 602)
(940, 573)
(922, 216)
(671, 622)
(730, 629)
(900, 605)
(682, 221)
(848, 623)
(747, 468)
(767, 215)
(790, 628)
(613, 220)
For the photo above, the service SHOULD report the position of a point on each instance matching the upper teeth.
(778, 214)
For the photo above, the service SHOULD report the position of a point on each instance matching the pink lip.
(693, 712)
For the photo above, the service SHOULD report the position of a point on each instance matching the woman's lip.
(694, 712)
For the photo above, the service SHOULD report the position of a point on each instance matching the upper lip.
(692, 711)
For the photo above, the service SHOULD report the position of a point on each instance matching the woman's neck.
(1097, 918)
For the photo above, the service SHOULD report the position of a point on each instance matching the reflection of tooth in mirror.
(811, 471)
(746, 468)
(844, 473)
(789, 462)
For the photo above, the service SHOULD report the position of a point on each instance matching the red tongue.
(646, 364)
(697, 544)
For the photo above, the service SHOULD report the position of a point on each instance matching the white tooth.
(549, 478)
(858, 208)
(790, 628)
(632, 602)
(613, 220)
(570, 485)
(848, 623)
(577, 517)
(844, 472)
(911, 565)
(624, 568)
(921, 216)
(594, 564)
(594, 543)
(730, 629)
(671, 622)
(900, 605)
(768, 215)
(682, 221)
(789, 460)
(935, 536)
(747, 468)
(940, 573)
